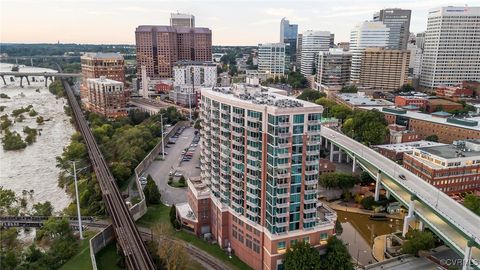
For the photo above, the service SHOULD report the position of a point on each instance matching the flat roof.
(408, 146)
(101, 55)
(362, 100)
(428, 117)
(104, 80)
(449, 151)
(259, 95)
(168, 28)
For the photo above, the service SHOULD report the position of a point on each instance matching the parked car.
(401, 176)
(178, 174)
(171, 173)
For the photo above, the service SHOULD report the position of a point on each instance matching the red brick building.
(107, 97)
(420, 102)
(453, 91)
(438, 104)
(451, 168)
(160, 47)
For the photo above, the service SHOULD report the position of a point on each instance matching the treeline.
(16, 49)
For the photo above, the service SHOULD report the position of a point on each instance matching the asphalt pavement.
(159, 169)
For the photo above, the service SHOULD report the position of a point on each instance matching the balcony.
(235, 169)
(283, 124)
(283, 155)
(312, 143)
(223, 155)
(252, 158)
(237, 143)
(251, 204)
(253, 139)
(313, 132)
(284, 145)
(238, 115)
(252, 186)
(310, 210)
(235, 204)
(224, 111)
(237, 197)
(281, 223)
(312, 162)
(237, 134)
(308, 201)
(224, 180)
(283, 185)
(281, 215)
(251, 148)
(314, 122)
(237, 152)
(310, 191)
(253, 168)
(236, 124)
(311, 172)
(252, 119)
(311, 219)
(283, 175)
(237, 179)
(284, 134)
(283, 195)
(251, 213)
(252, 195)
(281, 205)
(315, 152)
(253, 129)
(224, 129)
(284, 165)
(207, 151)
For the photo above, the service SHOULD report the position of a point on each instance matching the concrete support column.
(468, 256)
(348, 159)
(4, 82)
(421, 225)
(21, 81)
(354, 164)
(406, 221)
(331, 152)
(387, 194)
(378, 185)
(28, 81)
(339, 155)
(46, 80)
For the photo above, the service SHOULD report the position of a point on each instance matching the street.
(159, 169)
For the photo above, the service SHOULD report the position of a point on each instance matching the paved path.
(342, 207)
(159, 169)
(378, 250)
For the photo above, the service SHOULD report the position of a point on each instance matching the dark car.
(401, 176)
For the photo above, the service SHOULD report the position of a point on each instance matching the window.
(281, 247)
(293, 242)
(306, 239)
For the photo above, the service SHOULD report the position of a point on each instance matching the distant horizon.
(233, 22)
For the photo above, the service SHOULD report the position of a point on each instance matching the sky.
(239, 22)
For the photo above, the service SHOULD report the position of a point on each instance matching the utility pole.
(163, 142)
(78, 201)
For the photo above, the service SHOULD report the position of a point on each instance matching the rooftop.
(101, 55)
(168, 28)
(408, 146)
(468, 123)
(452, 150)
(193, 63)
(259, 95)
(102, 79)
(360, 99)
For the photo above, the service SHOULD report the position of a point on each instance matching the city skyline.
(231, 23)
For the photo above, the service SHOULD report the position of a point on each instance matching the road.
(462, 218)
(159, 169)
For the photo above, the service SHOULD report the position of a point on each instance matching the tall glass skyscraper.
(398, 21)
(288, 35)
(260, 154)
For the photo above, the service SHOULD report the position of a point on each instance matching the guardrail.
(104, 237)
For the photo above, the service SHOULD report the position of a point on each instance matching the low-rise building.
(353, 100)
(400, 134)
(396, 151)
(107, 97)
(451, 168)
(184, 95)
(419, 101)
(453, 91)
(438, 104)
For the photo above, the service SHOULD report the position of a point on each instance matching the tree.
(173, 254)
(152, 195)
(310, 95)
(432, 138)
(337, 256)
(338, 227)
(302, 256)
(405, 88)
(418, 240)
(472, 202)
(365, 178)
(7, 199)
(12, 141)
(182, 180)
(43, 209)
(349, 89)
(368, 203)
(173, 217)
(337, 180)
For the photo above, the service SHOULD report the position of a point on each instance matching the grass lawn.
(107, 258)
(159, 214)
(177, 184)
(82, 260)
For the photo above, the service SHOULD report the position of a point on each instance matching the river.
(35, 166)
(359, 232)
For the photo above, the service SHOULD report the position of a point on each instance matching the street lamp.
(161, 130)
(77, 200)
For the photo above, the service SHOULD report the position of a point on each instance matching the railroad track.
(128, 236)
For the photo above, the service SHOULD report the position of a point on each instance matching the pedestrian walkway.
(378, 249)
(341, 206)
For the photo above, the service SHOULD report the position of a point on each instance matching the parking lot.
(160, 169)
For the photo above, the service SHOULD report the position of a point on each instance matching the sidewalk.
(378, 249)
(340, 206)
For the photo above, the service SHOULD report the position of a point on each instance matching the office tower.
(107, 97)
(195, 73)
(420, 40)
(181, 19)
(298, 54)
(384, 69)
(451, 52)
(365, 35)
(398, 21)
(332, 41)
(344, 45)
(95, 65)
(159, 47)
(260, 156)
(288, 36)
(414, 65)
(333, 70)
(271, 59)
(313, 42)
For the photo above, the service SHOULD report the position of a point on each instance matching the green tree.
(173, 217)
(366, 179)
(43, 209)
(310, 95)
(302, 256)
(405, 88)
(368, 203)
(12, 141)
(152, 195)
(337, 180)
(418, 240)
(349, 89)
(7, 199)
(432, 138)
(337, 256)
(472, 202)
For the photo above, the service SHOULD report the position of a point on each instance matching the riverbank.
(342, 206)
(34, 167)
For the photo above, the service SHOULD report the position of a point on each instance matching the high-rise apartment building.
(365, 35)
(96, 65)
(181, 19)
(420, 40)
(384, 69)
(195, 73)
(107, 97)
(451, 52)
(298, 54)
(333, 70)
(271, 59)
(415, 64)
(160, 47)
(313, 42)
(288, 36)
(260, 158)
(398, 21)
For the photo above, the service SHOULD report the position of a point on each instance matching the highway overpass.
(46, 75)
(452, 222)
